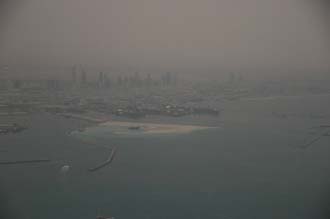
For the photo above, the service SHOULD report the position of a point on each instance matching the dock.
(24, 161)
(106, 162)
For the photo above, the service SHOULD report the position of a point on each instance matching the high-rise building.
(53, 84)
(17, 84)
(3, 84)
(119, 80)
(83, 77)
(74, 75)
(167, 79)
(175, 79)
(240, 77)
(136, 79)
(232, 78)
(3, 80)
(101, 80)
(106, 81)
(127, 80)
(148, 80)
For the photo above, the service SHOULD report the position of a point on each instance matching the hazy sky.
(197, 36)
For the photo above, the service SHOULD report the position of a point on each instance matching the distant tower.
(101, 79)
(168, 78)
(106, 81)
(3, 73)
(74, 75)
(17, 84)
(149, 80)
(175, 79)
(232, 78)
(126, 80)
(240, 77)
(52, 84)
(137, 79)
(119, 80)
(2, 84)
(83, 77)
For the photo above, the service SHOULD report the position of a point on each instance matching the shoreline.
(154, 128)
(125, 127)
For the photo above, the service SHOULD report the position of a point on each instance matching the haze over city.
(164, 109)
(273, 38)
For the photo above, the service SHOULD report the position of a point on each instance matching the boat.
(102, 217)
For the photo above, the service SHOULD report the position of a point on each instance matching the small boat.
(101, 217)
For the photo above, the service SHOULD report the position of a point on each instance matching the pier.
(105, 163)
(24, 161)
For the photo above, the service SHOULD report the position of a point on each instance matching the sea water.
(252, 167)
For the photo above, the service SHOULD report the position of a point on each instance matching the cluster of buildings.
(80, 79)
(130, 96)
(126, 95)
(101, 107)
(104, 80)
(164, 110)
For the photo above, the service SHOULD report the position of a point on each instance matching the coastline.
(155, 128)
(125, 127)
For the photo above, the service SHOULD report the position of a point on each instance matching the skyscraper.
(167, 79)
(119, 80)
(17, 84)
(74, 75)
(3, 80)
(149, 80)
(83, 77)
(101, 80)
(106, 81)
(136, 79)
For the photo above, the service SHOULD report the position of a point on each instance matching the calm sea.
(257, 165)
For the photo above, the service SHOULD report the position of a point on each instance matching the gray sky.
(264, 37)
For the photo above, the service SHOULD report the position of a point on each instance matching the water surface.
(253, 167)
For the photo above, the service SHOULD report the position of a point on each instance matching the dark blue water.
(253, 167)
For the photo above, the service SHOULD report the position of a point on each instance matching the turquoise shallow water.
(252, 167)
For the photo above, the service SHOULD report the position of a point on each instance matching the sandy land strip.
(84, 117)
(284, 97)
(153, 128)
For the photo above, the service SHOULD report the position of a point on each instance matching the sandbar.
(153, 128)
